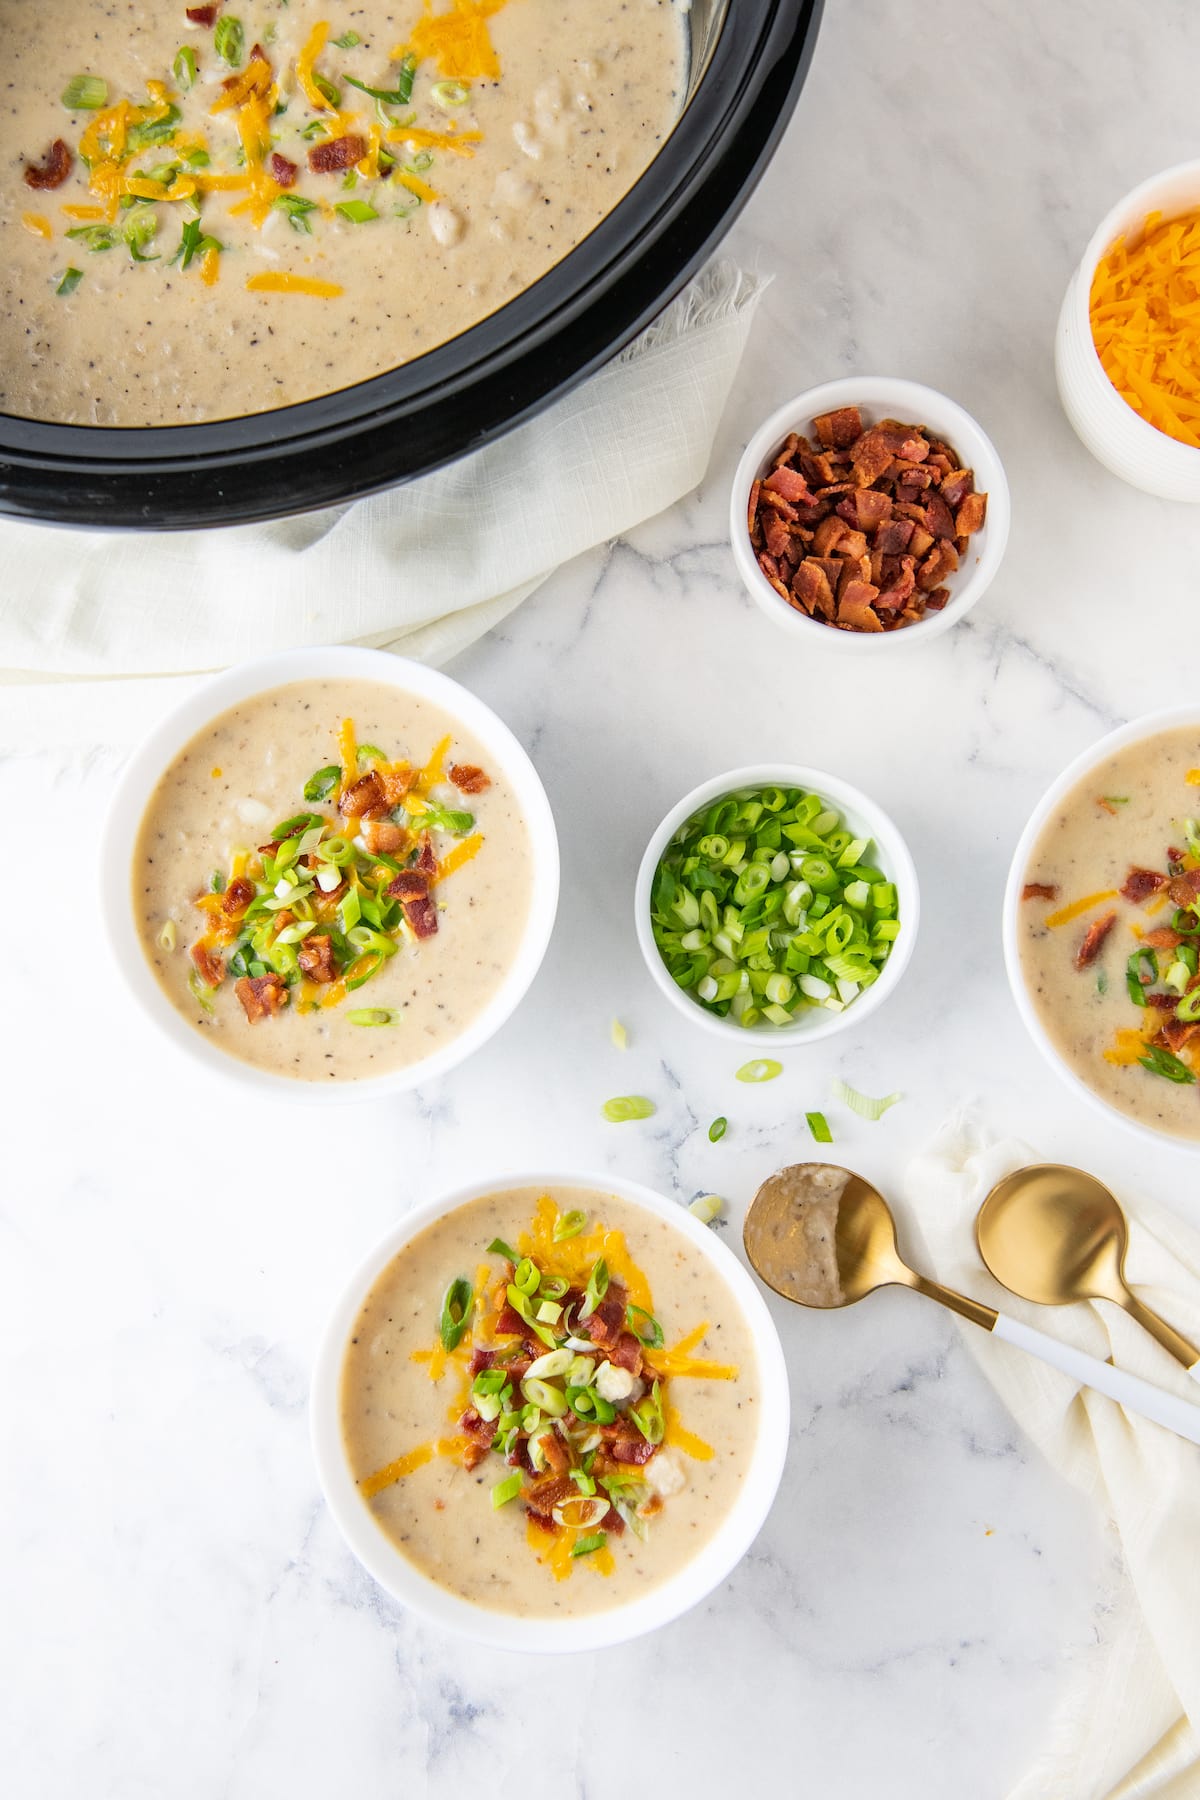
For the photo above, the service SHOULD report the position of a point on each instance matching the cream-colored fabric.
(424, 569)
(1121, 1730)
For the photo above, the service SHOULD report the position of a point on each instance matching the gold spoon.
(822, 1236)
(1055, 1235)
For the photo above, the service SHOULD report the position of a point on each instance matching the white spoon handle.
(1180, 1416)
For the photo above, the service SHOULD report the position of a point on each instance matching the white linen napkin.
(424, 569)
(1126, 1728)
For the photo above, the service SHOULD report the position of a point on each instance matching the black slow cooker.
(748, 63)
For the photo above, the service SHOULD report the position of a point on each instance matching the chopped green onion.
(457, 1303)
(349, 40)
(523, 1307)
(706, 1208)
(619, 1035)
(507, 1490)
(717, 1130)
(862, 1104)
(85, 93)
(326, 89)
(322, 784)
(597, 1287)
(647, 1415)
(401, 94)
(1117, 799)
(1101, 982)
(763, 1068)
(1141, 972)
(167, 938)
(527, 1276)
(95, 237)
(1189, 1007)
(584, 1546)
(296, 826)
(548, 1400)
(442, 818)
(587, 1404)
(371, 753)
(819, 1126)
(139, 230)
(374, 1015)
(498, 1247)
(296, 209)
(184, 67)
(449, 94)
(229, 40)
(193, 242)
(568, 1225)
(583, 1481)
(358, 212)
(71, 279)
(626, 1107)
(1162, 1062)
(200, 993)
(644, 1326)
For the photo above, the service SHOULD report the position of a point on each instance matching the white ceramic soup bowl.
(658, 1605)
(145, 767)
(877, 397)
(1116, 435)
(865, 818)
(1073, 776)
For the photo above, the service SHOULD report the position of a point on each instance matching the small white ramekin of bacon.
(868, 512)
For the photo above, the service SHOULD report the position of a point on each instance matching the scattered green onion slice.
(584, 1546)
(184, 67)
(371, 752)
(862, 1104)
(229, 40)
(85, 93)
(619, 1035)
(167, 937)
(597, 1287)
(706, 1208)
(374, 1015)
(358, 212)
(348, 41)
(71, 279)
(449, 94)
(1189, 1007)
(647, 1415)
(626, 1107)
(819, 1126)
(1141, 972)
(1162, 1062)
(296, 210)
(569, 1225)
(644, 1326)
(498, 1247)
(322, 784)
(717, 1130)
(763, 1068)
(401, 94)
(527, 1276)
(457, 1303)
(200, 993)
(506, 1490)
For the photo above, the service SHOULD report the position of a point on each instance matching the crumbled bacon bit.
(468, 778)
(1093, 941)
(337, 153)
(210, 966)
(1178, 1032)
(202, 15)
(481, 1360)
(237, 897)
(426, 860)
(1162, 939)
(1185, 887)
(422, 915)
(555, 1452)
(364, 799)
(381, 834)
(315, 957)
(283, 172)
(862, 529)
(409, 884)
(262, 996)
(53, 169)
(626, 1353)
(395, 784)
(1139, 884)
(1039, 890)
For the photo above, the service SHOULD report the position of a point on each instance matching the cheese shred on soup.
(212, 216)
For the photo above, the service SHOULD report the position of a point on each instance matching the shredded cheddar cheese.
(1144, 305)
(304, 67)
(415, 185)
(461, 853)
(38, 224)
(1077, 908)
(278, 281)
(458, 141)
(396, 1471)
(458, 40)
(685, 1440)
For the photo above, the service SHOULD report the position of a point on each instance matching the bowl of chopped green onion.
(777, 901)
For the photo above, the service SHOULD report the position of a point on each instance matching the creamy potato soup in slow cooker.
(214, 211)
(1109, 930)
(332, 880)
(549, 1401)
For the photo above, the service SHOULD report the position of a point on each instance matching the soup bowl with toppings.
(330, 873)
(868, 513)
(778, 903)
(1102, 925)
(550, 1411)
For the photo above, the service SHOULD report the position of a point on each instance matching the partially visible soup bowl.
(425, 688)
(863, 817)
(1093, 1004)
(651, 1604)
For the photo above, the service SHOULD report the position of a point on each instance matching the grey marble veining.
(180, 1617)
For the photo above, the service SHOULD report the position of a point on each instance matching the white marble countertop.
(180, 1617)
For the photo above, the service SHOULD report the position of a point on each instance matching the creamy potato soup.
(1109, 929)
(266, 202)
(549, 1401)
(332, 880)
